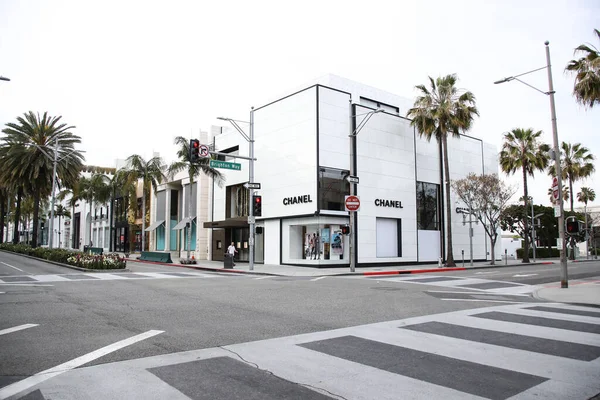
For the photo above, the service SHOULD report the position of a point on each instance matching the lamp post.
(251, 159)
(353, 132)
(3, 78)
(564, 277)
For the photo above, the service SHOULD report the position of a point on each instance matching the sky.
(133, 75)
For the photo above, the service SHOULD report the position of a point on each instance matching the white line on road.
(493, 293)
(40, 377)
(487, 301)
(263, 277)
(318, 279)
(523, 275)
(18, 269)
(16, 328)
(23, 284)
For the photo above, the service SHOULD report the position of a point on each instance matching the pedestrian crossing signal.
(572, 227)
(345, 230)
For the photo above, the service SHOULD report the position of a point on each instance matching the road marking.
(8, 265)
(262, 277)
(482, 273)
(23, 284)
(40, 377)
(487, 301)
(523, 275)
(445, 291)
(16, 328)
(318, 279)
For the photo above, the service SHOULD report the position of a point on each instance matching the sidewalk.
(582, 292)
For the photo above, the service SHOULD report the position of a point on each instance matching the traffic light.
(259, 230)
(345, 230)
(194, 150)
(572, 227)
(257, 204)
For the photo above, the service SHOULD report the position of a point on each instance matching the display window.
(314, 241)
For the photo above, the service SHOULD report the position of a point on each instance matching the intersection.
(164, 332)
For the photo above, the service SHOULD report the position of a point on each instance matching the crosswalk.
(454, 282)
(79, 277)
(517, 351)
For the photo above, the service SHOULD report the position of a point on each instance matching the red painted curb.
(420, 271)
(381, 273)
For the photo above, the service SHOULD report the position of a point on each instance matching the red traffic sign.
(204, 152)
(352, 203)
(555, 191)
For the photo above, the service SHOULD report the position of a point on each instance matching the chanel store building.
(302, 147)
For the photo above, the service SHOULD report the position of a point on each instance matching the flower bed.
(70, 257)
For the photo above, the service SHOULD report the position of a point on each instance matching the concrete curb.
(536, 295)
(67, 265)
(201, 268)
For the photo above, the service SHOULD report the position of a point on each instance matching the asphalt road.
(73, 314)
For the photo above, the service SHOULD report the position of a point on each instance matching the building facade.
(303, 159)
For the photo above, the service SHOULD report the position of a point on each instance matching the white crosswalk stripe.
(468, 354)
(100, 276)
(473, 284)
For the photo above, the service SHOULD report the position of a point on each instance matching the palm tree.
(95, 189)
(60, 211)
(587, 74)
(193, 169)
(438, 111)
(4, 198)
(584, 196)
(565, 194)
(576, 164)
(523, 150)
(151, 173)
(27, 155)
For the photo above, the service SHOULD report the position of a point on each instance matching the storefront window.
(314, 241)
(333, 188)
(428, 206)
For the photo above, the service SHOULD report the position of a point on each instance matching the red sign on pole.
(352, 203)
(555, 191)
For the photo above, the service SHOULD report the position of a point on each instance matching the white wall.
(334, 127)
(272, 234)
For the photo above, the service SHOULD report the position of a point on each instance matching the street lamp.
(352, 135)
(251, 159)
(564, 278)
(533, 217)
(3, 78)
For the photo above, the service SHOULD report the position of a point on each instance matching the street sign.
(352, 203)
(252, 185)
(204, 151)
(225, 165)
(352, 179)
(557, 211)
(555, 191)
(251, 220)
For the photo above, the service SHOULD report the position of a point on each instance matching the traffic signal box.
(257, 205)
(572, 227)
(345, 230)
(194, 150)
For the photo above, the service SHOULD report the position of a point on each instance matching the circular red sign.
(352, 203)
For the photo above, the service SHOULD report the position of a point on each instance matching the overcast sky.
(132, 75)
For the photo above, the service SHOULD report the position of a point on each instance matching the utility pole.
(51, 228)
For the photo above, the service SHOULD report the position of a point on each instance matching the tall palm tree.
(193, 170)
(60, 211)
(584, 196)
(576, 163)
(151, 173)
(28, 153)
(523, 151)
(4, 198)
(95, 189)
(587, 74)
(438, 111)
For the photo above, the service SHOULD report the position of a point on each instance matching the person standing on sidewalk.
(231, 250)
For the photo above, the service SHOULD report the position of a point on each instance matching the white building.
(302, 147)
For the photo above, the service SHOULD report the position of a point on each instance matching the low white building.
(302, 147)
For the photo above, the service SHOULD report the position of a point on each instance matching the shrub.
(76, 258)
(540, 252)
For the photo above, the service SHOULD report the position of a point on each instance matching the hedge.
(70, 257)
(540, 252)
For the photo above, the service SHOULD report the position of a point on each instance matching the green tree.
(439, 111)
(576, 163)
(193, 169)
(27, 157)
(95, 189)
(587, 74)
(151, 174)
(523, 151)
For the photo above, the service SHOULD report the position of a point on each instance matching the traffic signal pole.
(252, 223)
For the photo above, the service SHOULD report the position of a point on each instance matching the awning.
(181, 224)
(238, 222)
(155, 225)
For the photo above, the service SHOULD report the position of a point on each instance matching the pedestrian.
(317, 246)
(231, 250)
(312, 245)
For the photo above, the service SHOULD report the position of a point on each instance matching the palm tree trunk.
(90, 225)
(2, 211)
(143, 219)
(449, 252)
(73, 226)
(36, 217)
(17, 216)
(571, 193)
(59, 231)
(525, 222)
